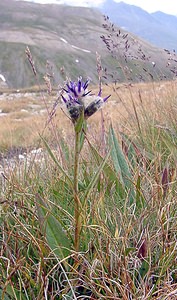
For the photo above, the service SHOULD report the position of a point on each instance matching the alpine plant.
(77, 99)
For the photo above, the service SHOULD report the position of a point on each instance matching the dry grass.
(21, 120)
(25, 117)
(153, 98)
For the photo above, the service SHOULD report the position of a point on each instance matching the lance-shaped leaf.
(54, 230)
(119, 161)
(121, 165)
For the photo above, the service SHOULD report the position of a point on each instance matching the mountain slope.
(52, 32)
(158, 28)
(63, 41)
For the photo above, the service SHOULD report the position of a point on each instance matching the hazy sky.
(167, 6)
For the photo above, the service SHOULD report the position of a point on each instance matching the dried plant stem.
(77, 208)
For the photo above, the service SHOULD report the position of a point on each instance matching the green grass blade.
(82, 135)
(57, 162)
(144, 269)
(140, 201)
(119, 161)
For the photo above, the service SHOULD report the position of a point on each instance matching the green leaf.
(140, 201)
(82, 135)
(79, 123)
(119, 161)
(121, 165)
(144, 269)
(54, 230)
(129, 249)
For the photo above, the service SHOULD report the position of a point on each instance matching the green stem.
(77, 208)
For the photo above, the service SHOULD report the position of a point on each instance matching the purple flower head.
(77, 89)
(76, 99)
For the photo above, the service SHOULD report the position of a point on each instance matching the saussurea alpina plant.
(79, 104)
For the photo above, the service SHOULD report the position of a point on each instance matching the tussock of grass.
(129, 217)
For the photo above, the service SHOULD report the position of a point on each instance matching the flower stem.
(77, 208)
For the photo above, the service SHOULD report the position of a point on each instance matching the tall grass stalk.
(77, 203)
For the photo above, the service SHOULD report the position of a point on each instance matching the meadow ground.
(127, 195)
(24, 115)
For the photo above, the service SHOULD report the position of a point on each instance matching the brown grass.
(26, 116)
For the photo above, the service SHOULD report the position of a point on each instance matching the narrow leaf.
(140, 201)
(54, 230)
(79, 124)
(144, 269)
(119, 161)
(121, 165)
(82, 135)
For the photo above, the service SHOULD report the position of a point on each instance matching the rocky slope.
(63, 40)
